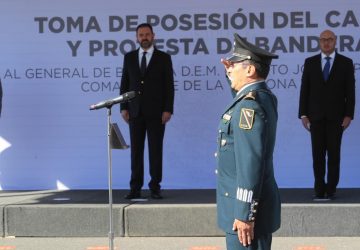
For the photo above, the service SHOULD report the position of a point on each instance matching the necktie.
(326, 69)
(143, 64)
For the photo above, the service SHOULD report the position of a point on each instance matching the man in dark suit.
(147, 71)
(248, 200)
(327, 100)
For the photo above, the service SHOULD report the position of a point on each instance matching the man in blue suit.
(248, 200)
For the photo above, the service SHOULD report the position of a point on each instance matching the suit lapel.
(334, 65)
(318, 65)
(135, 61)
(152, 60)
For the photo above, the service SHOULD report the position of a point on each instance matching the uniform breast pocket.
(225, 138)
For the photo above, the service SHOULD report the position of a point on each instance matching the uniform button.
(139, 92)
(215, 154)
(216, 171)
(226, 194)
(142, 82)
(223, 142)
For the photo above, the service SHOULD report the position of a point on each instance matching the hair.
(143, 25)
(262, 70)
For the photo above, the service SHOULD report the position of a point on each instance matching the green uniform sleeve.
(249, 129)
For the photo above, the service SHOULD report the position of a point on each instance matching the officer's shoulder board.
(250, 96)
(246, 114)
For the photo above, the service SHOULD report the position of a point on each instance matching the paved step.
(183, 213)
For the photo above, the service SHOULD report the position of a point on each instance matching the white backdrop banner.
(59, 57)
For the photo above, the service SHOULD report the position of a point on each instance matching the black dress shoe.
(320, 197)
(331, 196)
(133, 195)
(156, 195)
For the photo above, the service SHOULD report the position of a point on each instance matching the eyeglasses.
(324, 40)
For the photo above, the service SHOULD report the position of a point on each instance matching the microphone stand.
(111, 226)
(115, 141)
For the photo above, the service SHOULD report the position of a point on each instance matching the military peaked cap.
(243, 50)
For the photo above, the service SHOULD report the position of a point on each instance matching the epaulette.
(250, 96)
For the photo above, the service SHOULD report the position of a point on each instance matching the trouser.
(140, 127)
(261, 242)
(326, 141)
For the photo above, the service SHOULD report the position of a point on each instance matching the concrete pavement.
(173, 243)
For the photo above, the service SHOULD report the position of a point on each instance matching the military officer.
(248, 200)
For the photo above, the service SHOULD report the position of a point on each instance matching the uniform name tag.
(246, 118)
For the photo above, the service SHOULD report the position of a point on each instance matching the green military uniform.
(246, 187)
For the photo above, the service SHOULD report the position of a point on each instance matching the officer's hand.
(346, 122)
(226, 63)
(125, 115)
(245, 231)
(306, 123)
(165, 117)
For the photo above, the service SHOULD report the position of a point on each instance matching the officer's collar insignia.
(226, 117)
(246, 118)
(251, 95)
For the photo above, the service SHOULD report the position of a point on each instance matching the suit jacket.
(330, 100)
(246, 187)
(154, 90)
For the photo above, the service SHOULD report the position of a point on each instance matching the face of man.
(145, 37)
(238, 73)
(327, 42)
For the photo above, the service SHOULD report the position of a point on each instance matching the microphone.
(108, 103)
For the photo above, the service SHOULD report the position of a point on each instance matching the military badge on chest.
(246, 118)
